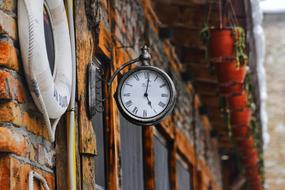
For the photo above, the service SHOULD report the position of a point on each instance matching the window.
(131, 156)
(183, 174)
(161, 167)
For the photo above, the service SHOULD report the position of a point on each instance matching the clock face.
(146, 94)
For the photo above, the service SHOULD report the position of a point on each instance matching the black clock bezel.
(152, 120)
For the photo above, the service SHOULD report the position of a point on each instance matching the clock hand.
(149, 103)
(145, 94)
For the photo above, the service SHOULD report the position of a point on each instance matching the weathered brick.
(14, 174)
(11, 88)
(8, 55)
(12, 142)
(8, 25)
(19, 115)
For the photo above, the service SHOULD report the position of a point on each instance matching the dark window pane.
(49, 40)
(183, 176)
(98, 125)
(132, 156)
(161, 164)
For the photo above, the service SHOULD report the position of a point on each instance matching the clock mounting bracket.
(144, 58)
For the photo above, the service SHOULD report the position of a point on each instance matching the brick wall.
(23, 144)
(117, 30)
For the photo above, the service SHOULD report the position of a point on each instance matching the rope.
(209, 12)
(39, 177)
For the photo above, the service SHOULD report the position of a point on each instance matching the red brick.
(14, 175)
(11, 88)
(12, 142)
(12, 112)
(8, 55)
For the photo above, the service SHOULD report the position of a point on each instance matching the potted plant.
(240, 132)
(229, 71)
(241, 117)
(237, 102)
(226, 47)
(225, 42)
(250, 157)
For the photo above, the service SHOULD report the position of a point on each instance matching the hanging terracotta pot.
(228, 73)
(250, 158)
(237, 102)
(221, 42)
(252, 173)
(232, 89)
(241, 117)
(240, 132)
(256, 183)
(246, 143)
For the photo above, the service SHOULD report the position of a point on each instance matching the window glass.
(183, 175)
(161, 163)
(131, 156)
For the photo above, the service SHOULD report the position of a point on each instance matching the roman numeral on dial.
(127, 94)
(136, 77)
(161, 104)
(135, 110)
(129, 84)
(144, 113)
(146, 75)
(129, 103)
(164, 95)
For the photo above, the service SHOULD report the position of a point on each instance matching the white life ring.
(50, 93)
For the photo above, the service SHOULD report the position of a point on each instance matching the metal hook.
(144, 58)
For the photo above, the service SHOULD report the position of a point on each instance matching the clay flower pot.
(233, 89)
(240, 132)
(246, 144)
(237, 102)
(228, 73)
(221, 42)
(250, 158)
(256, 183)
(252, 173)
(241, 117)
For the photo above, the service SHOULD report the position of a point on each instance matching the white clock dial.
(145, 93)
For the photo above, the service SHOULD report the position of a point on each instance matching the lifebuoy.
(50, 92)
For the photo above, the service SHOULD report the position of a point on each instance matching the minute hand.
(146, 86)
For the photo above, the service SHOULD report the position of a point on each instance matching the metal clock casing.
(150, 120)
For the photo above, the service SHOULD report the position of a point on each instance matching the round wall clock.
(145, 95)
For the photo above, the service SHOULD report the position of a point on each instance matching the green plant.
(239, 45)
(205, 37)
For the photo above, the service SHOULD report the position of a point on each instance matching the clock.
(145, 95)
